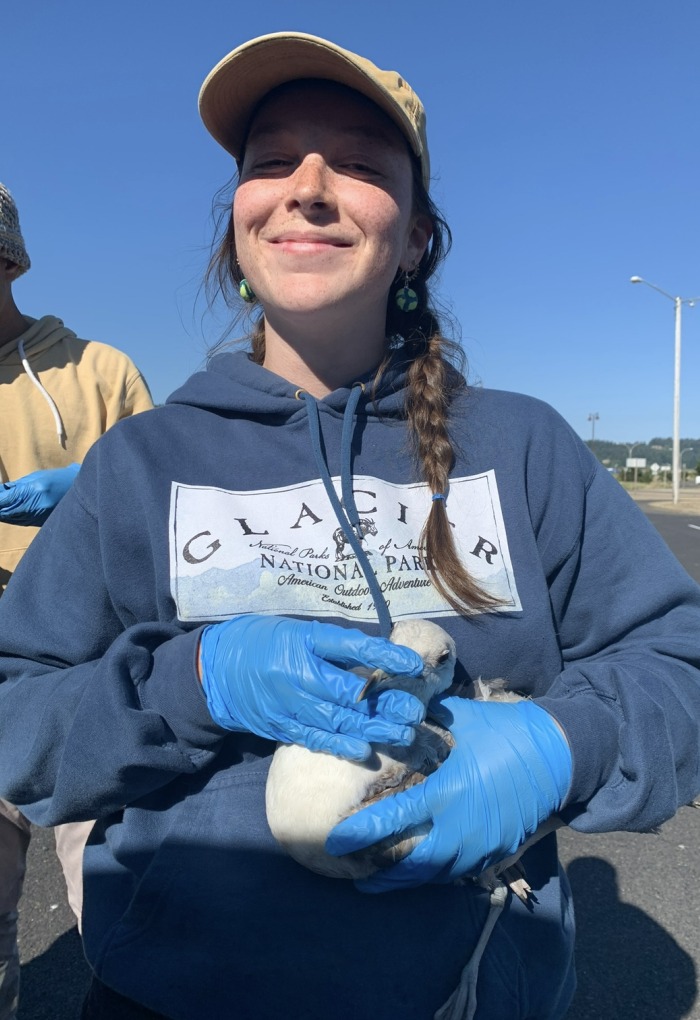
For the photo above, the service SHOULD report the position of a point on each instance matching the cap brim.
(237, 84)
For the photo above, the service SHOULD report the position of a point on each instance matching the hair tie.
(439, 495)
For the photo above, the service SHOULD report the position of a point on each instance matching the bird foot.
(516, 879)
(521, 889)
(514, 876)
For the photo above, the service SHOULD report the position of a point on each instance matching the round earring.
(246, 292)
(406, 298)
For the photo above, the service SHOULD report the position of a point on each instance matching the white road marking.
(695, 526)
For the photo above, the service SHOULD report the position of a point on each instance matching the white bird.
(309, 792)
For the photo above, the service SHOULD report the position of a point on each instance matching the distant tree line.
(657, 451)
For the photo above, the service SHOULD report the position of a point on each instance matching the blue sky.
(565, 138)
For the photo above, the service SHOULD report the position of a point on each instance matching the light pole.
(688, 449)
(678, 302)
(593, 417)
(630, 448)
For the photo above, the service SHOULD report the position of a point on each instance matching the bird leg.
(511, 870)
(461, 1005)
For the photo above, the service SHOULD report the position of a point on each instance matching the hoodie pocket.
(214, 835)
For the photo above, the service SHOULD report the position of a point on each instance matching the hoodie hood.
(39, 336)
(30, 345)
(234, 384)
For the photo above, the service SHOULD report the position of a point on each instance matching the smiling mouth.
(308, 243)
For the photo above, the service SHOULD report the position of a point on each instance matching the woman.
(202, 544)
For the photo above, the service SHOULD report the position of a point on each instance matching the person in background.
(58, 394)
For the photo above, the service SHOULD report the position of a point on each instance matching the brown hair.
(434, 377)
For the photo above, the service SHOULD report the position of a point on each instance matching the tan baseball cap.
(234, 88)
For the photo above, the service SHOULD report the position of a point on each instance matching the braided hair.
(435, 375)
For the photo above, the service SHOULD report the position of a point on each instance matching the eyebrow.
(364, 132)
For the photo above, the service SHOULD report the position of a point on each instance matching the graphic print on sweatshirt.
(282, 551)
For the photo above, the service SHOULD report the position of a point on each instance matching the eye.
(272, 164)
(359, 169)
(443, 657)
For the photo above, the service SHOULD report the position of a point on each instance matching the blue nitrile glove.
(275, 677)
(509, 771)
(31, 499)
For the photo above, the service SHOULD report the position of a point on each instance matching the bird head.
(438, 652)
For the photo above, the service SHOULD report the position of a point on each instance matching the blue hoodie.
(212, 506)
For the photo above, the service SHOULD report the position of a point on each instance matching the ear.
(417, 241)
(10, 270)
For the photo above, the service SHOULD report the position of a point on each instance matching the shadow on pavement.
(628, 966)
(54, 984)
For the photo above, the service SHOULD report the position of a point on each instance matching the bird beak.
(378, 678)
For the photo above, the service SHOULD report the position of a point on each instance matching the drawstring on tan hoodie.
(47, 397)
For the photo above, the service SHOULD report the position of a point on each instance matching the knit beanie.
(11, 240)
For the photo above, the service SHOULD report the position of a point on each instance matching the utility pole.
(678, 302)
(630, 448)
(593, 417)
(677, 404)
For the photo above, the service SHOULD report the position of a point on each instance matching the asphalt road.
(682, 535)
(637, 906)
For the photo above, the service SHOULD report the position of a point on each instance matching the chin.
(310, 294)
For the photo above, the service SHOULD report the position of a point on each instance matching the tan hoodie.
(91, 385)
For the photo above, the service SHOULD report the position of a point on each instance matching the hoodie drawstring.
(47, 397)
(461, 1005)
(346, 512)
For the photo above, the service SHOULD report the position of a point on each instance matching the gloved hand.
(276, 677)
(31, 499)
(509, 770)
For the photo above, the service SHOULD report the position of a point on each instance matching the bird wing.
(426, 754)
(410, 767)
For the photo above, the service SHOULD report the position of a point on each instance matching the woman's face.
(323, 213)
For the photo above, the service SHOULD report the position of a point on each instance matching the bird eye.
(444, 657)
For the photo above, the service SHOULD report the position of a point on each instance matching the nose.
(312, 187)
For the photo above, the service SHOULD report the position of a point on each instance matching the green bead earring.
(406, 297)
(246, 292)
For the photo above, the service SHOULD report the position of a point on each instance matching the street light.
(688, 449)
(593, 417)
(631, 448)
(679, 302)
